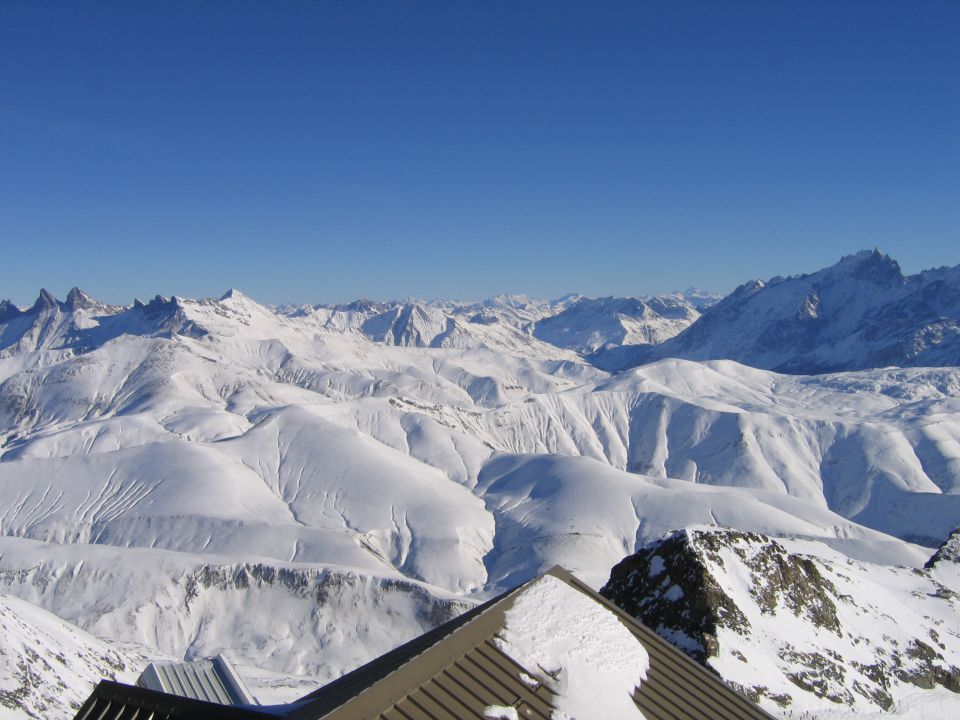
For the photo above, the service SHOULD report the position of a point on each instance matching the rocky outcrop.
(794, 629)
(667, 588)
(948, 552)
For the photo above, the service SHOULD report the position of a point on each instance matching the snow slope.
(300, 621)
(257, 433)
(48, 667)
(860, 313)
(795, 625)
(588, 325)
(145, 448)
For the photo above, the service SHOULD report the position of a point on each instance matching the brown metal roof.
(463, 673)
(117, 701)
(455, 672)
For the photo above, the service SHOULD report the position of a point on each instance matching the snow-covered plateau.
(304, 488)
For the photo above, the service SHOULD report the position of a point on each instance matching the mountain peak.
(77, 299)
(873, 268)
(45, 301)
(9, 311)
(234, 294)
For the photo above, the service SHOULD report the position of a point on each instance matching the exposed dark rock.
(45, 301)
(9, 311)
(77, 299)
(680, 586)
(948, 552)
(668, 587)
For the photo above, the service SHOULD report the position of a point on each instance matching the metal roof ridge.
(414, 661)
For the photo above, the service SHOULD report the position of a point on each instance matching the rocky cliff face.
(793, 625)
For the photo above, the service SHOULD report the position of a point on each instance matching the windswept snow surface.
(580, 649)
(351, 442)
(500, 711)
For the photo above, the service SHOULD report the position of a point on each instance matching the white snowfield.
(420, 456)
(582, 650)
(917, 614)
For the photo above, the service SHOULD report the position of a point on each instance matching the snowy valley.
(304, 488)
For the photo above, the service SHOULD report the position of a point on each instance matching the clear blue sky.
(322, 151)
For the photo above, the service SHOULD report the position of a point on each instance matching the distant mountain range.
(507, 322)
(861, 313)
(306, 487)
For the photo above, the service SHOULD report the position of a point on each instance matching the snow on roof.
(582, 651)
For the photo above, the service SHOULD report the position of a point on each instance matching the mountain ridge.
(439, 447)
(859, 313)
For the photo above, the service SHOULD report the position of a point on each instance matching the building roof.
(461, 669)
(210, 680)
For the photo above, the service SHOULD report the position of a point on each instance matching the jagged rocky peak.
(876, 268)
(77, 299)
(9, 311)
(791, 629)
(752, 286)
(871, 267)
(861, 312)
(45, 301)
(949, 552)
(159, 305)
(669, 584)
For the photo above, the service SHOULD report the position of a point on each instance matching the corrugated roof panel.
(463, 671)
(116, 701)
(211, 681)
(455, 696)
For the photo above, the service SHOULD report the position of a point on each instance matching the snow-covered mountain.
(588, 324)
(515, 322)
(797, 626)
(174, 472)
(47, 665)
(289, 618)
(862, 312)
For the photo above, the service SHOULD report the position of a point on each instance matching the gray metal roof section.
(209, 680)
